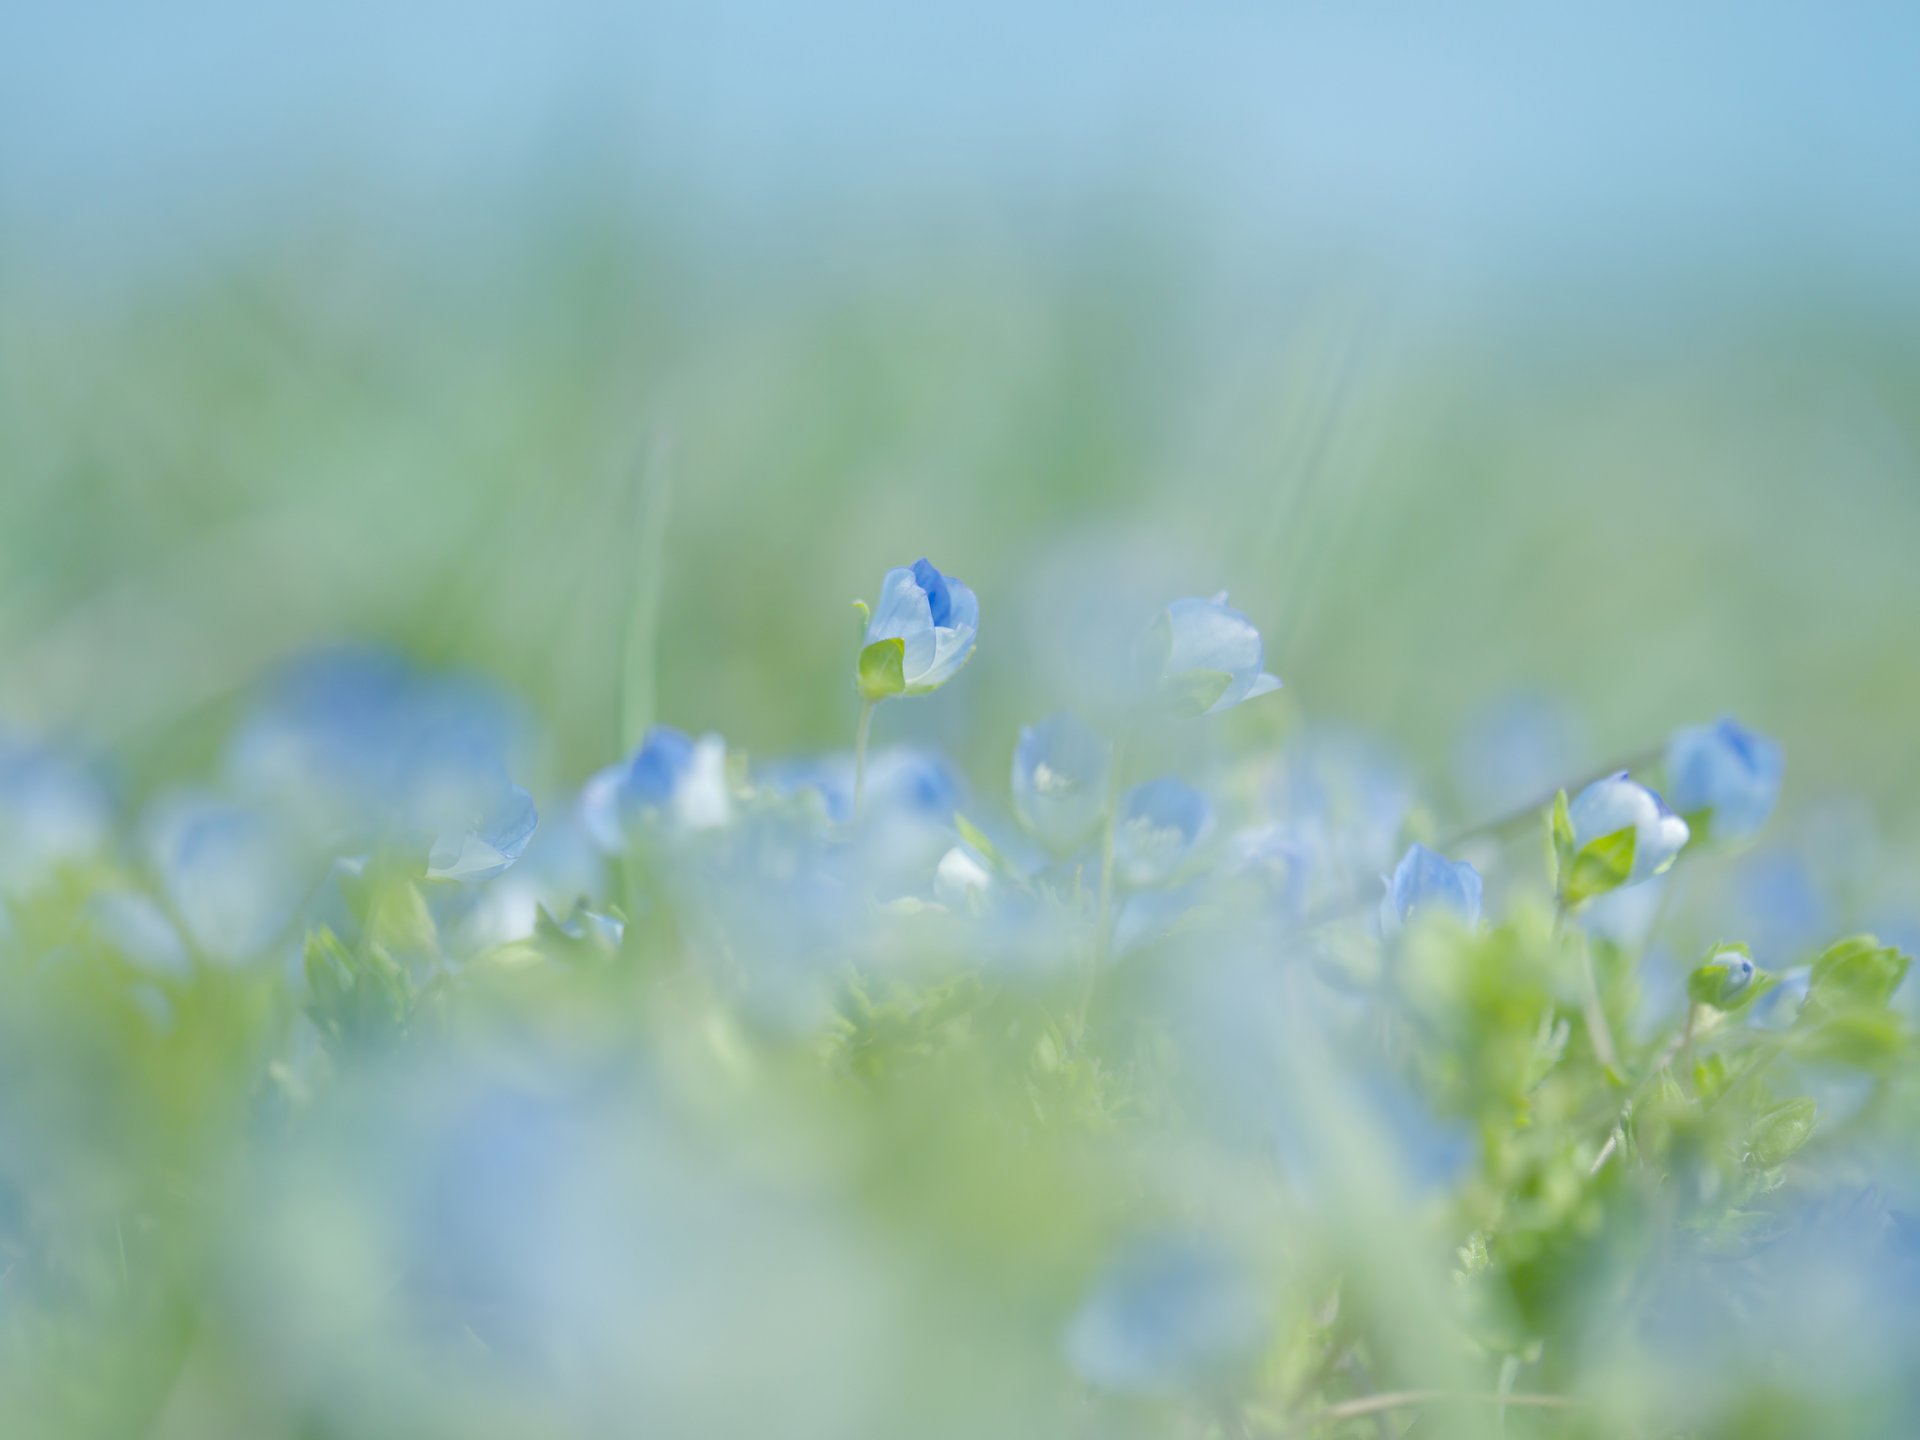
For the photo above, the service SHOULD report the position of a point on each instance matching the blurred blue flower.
(1427, 881)
(53, 812)
(934, 616)
(1160, 825)
(670, 775)
(1207, 657)
(229, 873)
(1726, 773)
(360, 750)
(1060, 781)
(1171, 1314)
(1618, 803)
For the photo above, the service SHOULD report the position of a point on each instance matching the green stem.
(860, 756)
(1599, 1033)
(1104, 921)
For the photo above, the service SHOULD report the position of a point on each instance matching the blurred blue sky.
(1457, 145)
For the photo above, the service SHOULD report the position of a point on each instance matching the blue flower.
(1169, 1315)
(934, 620)
(1727, 774)
(359, 750)
(669, 775)
(228, 872)
(474, 820)
(53, 813)
(1426, 881)
(1160, 825)
(1207, 657)
(1060, 781)
(1618, 803)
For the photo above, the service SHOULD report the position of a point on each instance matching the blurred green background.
(1493, 355)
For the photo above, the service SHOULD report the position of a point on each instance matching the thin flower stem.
(1407, 1399)
(860, 756)
(1514, 819)
(1102, 950)
(1595, 1013)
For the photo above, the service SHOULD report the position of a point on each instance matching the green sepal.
(1193, 692)
(1600, 866)
(1707, 984)
(882, 673)
(974, 837)
(1777, 1135)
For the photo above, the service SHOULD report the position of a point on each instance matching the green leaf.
(1716, 981)
(1858, 972)
(1601, 865)
(1193, 692)
(883, 669)
(973, 835)
(1776, 1135)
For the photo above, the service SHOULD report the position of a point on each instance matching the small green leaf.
(1858, 972)
(1601, 865)
(1776, 1135)
(1193, 692)
(883, 669)
(972, 834)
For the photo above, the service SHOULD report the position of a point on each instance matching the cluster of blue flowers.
(787, 883)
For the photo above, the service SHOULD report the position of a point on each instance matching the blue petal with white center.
(1060, 781)
(1161, 824)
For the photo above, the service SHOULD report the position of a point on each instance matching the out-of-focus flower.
(1727, 775)
(1206, 657)
(356, 750)
(670, 776)
(919, 635)
(1617, 803)
(1060, 781)
(1172, 1314)
(139, 931)
(475, 820)
(960, 878)
(52, 813)
(901, 780)
(1160, 825)
(229, 873)
(1426, 881)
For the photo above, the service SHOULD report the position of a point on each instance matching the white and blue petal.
(905, 614)
(1618, 803)
(1213, 653)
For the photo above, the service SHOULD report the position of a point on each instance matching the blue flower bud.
(1161, 824)
(1727, 773)
(1206, 657)
(1617, 803)
(1427, 881)
(1060, 779)
(934, 617)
